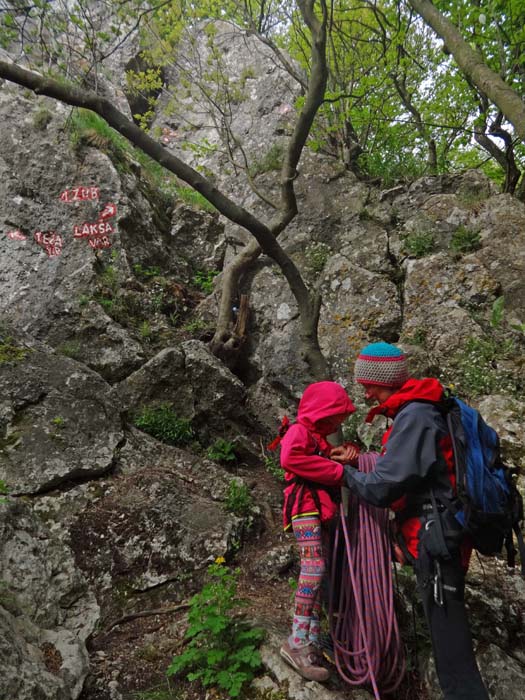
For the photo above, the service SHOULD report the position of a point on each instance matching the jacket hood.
(322, 400)
(428, 389)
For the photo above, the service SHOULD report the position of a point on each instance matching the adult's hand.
(345, 454)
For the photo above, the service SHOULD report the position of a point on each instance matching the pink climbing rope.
(367, 645)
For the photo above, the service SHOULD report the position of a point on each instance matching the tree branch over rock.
(265, 235)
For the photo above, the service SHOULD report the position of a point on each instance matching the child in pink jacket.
(311, 499)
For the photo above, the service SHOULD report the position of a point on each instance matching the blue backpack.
(488, 504)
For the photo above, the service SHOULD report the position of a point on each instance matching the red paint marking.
(50, 241)
(102, 242)
(16, 235)
(80, 194)
(89, 230)
(109, 210)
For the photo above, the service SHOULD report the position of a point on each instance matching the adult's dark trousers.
(456, 665)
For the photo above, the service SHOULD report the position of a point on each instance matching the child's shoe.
(306, 661)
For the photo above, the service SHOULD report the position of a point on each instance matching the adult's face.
(377, 394)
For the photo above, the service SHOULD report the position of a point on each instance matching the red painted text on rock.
(87, 230)
(50, 241)
(16, 235)
(100, 242)
(80, 194)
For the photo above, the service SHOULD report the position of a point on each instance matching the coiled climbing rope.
(367, 645)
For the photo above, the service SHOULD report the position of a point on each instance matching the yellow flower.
(220, 560)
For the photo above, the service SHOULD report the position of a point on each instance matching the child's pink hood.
(321, 400)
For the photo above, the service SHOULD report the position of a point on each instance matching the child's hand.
(345, 454)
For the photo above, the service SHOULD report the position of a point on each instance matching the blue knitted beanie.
(381, 364)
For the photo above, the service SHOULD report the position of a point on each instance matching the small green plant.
(497, 312)
(238, 499)
(221, 650)
(9, 352)
(146, 272)
(86, 127)
(478, 366)
(145, 331)
(83, 300)
(70, 348)
(317, 256)
(58, 422)
(196, 326)
(418, 336)
(203, 279)
(162, 422)
(273, 466)
(465, 240)
(3, 490)
(272, 160)
(108, 279)
(419, 244)
(41, 118)
(222, 451)
(193, 198)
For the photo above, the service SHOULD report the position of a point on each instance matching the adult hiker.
(415, 469)
(311, 495)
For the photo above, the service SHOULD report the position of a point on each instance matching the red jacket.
(305, 450)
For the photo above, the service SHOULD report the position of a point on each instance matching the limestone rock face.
(161, 521)
(58, 422)
(46, 610)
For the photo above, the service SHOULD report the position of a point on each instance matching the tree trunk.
(473, 66)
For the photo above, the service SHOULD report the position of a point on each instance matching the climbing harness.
(367, 644)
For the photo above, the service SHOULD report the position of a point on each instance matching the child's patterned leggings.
(312, 542)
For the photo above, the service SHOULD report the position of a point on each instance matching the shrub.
(3, 490)
(146, 271)
(238, 499)
(419, 244)
(317, 256)
(273, 466)
(162, 423)
(9, 352)
(478, 370)
(222, 451)
(203, 279)
(465, 240)
(222, 650)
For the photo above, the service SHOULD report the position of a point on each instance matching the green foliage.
(3, 490)
(193, 198)
(221, 650)
(196, 327)
(146, 272)
(271, 160)
(145, 330)
(497, 312)
(87, 128)
(418, 337)
(58, 422)
(163, 424)
(108, 279)
(238, 499)
(465, 240)
(70, 348)
(203, 279)
(222, 451)
(9, 352)
(478, 367)
(419, 244)
(317, 256)
(273, 466)
(41, 118)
